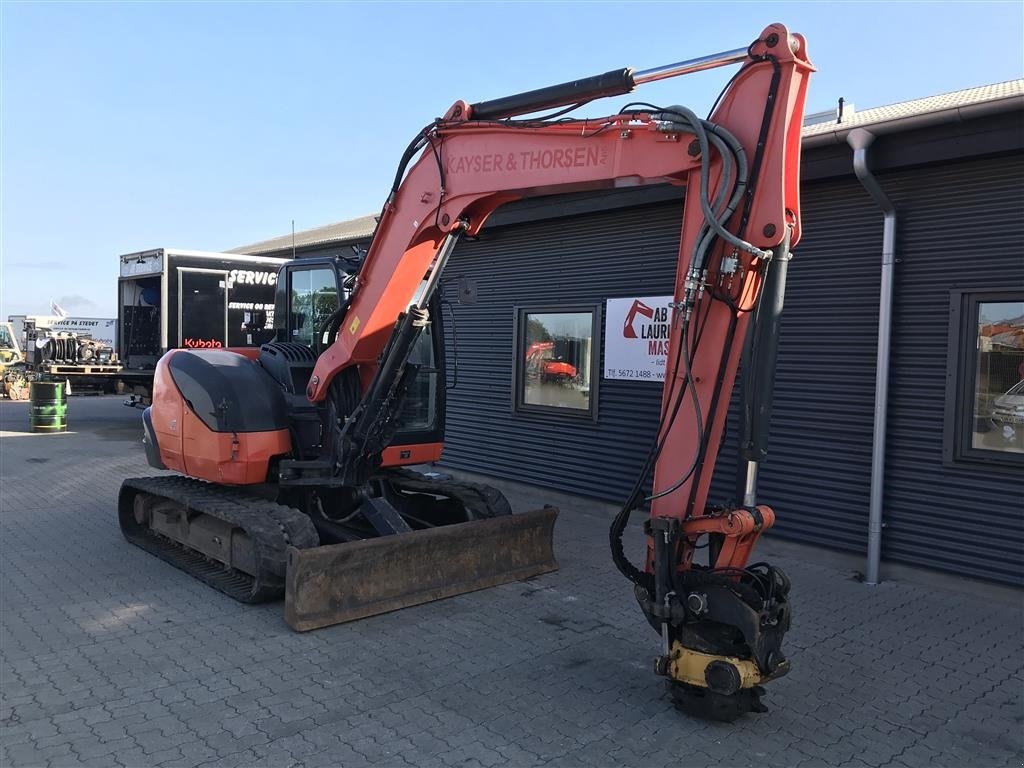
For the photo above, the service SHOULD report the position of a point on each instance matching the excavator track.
(480, 501)
(269, 530)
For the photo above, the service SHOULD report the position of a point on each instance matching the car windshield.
(1017, 389)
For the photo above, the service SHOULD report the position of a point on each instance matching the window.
(985, 409)
(418, 408)
(314, 296)
(555, 366)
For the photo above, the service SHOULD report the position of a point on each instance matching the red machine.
(301, 442)
(540, 358)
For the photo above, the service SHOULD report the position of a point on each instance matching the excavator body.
(292, 460)
(229, 417)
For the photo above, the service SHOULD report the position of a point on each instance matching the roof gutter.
(860, 139)
(952, 115)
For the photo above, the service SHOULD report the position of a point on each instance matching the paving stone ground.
(110, 657)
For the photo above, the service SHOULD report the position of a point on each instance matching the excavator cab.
(309, 293)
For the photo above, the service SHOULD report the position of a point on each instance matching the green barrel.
(48, 411)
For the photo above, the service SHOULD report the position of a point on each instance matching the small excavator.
(292, 460)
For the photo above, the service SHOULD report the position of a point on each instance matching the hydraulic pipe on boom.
(614, 83)
(760, 353)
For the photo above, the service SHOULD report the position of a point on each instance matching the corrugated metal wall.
(818, 473)
(583, 259)
(960, 224)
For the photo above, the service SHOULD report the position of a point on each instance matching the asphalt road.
(109, 657)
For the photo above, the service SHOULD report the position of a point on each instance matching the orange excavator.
(541, 359)
(292, 460)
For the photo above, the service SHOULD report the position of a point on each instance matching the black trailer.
(170, 298)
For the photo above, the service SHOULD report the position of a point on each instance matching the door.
(202, 308)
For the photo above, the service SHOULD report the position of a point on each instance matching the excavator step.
(344, 582)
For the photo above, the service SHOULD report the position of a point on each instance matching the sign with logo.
(101, 329)
(636, 332)
(251, 277)
(201, 344)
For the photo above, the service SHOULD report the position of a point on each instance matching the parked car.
(1007, 419)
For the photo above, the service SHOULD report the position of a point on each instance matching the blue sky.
(200, 125)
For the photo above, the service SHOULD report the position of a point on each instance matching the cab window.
(313, 297)
(418, 408)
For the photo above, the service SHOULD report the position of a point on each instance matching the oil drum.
(48, 406)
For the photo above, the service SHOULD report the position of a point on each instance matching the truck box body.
(169, 298)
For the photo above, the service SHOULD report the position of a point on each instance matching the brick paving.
(110, 657)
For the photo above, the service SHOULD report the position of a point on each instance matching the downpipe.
(860, 140)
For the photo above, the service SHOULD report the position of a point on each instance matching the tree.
(536, 331)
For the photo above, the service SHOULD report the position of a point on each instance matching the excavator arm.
(721, 622)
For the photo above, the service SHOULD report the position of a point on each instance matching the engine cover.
(217, 416)
(227, 391)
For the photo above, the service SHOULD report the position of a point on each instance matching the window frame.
(961, 368)
(289, 313)
(519, 405)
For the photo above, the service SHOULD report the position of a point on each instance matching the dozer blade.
(343, 582)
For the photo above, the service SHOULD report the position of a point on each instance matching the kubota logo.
(201, 344)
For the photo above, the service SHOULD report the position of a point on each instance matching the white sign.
(101, 329)
(636, 331)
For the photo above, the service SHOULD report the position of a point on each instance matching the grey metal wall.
(818, 473)
(960, 224)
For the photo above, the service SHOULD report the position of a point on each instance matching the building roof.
(953, 106)
(349, 231)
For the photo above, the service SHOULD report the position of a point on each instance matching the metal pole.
(434, 278)
(699, 64)
(760, 356)
(860, 139)
(750, 486)
(613, 83)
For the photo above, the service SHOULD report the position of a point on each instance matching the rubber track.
(271, 527)
(481, 501)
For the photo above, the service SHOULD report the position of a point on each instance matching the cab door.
(313, 295)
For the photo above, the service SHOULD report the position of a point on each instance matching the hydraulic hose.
(734, 165)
